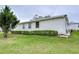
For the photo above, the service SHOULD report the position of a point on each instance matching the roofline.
(74, 23)
(54, 17)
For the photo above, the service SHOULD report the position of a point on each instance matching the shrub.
(37, 32)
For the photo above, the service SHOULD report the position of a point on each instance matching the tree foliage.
(8, 20)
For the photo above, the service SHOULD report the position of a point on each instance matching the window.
(37, 24)
(29, 25)
(78, 25)
(23, 26)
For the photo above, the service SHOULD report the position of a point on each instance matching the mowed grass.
(36, 44)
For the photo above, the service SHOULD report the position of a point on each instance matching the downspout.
(66, 24)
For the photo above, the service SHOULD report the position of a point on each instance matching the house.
(73, 26)
(57, 23)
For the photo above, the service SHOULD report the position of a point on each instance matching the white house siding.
(0, 29)
(18, 27)
(54, 24)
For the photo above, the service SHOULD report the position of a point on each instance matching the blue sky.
(26, 12)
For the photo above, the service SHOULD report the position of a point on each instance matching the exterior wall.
(0, 29)
(74, 26)
(56, 24)
(59, 25)
(18, 27)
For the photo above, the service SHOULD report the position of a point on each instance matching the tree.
(8, 20)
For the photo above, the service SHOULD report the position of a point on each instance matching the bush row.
(37, 32)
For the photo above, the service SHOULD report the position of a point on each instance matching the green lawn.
(35, 44)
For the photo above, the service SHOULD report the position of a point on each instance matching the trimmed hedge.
(37, 32)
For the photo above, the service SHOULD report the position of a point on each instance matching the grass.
(35, 44)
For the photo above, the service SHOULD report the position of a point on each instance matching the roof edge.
(54, 17)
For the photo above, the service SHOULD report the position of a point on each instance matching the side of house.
(57, 23)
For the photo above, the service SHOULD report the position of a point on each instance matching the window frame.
(29, 25)
(37, 24)
(78, 25)
(23, 26)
